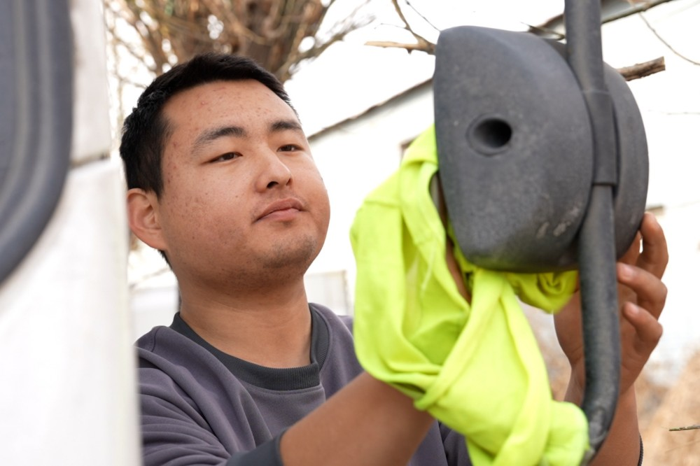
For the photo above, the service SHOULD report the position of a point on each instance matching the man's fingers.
(654, 257)
(632, 253)
(648, 328)
(650, 290)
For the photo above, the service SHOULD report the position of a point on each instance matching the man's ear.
(144, 220)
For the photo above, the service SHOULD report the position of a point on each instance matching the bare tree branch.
(423, 43)
(693, 427)
(544, 31)
(658, 36)
(641, 70)
(111, 13)
(553, 28)
(337, 33)
(427, 21)
(636, 9)
(288, 67)
(269, 31)
(630, 73)
(426, 47)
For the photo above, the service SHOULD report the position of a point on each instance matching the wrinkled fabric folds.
(475, 367)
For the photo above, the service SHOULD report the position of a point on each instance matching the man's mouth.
(284, 209)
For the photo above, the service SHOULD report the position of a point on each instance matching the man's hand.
(642, 296)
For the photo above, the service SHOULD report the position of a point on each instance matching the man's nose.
(274, 171)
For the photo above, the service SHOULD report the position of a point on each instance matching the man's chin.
(293, 256)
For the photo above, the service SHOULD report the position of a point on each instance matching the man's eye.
(226, 156)
(289, 148)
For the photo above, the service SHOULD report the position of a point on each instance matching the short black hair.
(145, 129)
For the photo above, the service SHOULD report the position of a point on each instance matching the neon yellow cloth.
(477, 368)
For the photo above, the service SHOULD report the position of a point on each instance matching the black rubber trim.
(36, 80)
(600, 321)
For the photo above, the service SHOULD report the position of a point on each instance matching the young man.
(221, 180)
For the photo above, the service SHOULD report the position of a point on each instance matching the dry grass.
(680, 407)
(660, 408)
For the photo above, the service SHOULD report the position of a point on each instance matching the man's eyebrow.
(284, 125)
(213, 134)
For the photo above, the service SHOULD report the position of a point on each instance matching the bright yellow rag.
(477, 368)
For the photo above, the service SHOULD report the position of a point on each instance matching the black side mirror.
(515, 147)
(543, 166)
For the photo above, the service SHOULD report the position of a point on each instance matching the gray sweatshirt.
(200, 406)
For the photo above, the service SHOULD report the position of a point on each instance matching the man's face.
(242, 199)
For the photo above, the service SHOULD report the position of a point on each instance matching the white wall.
(67, 365)
(670, 105)
(354, 158)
